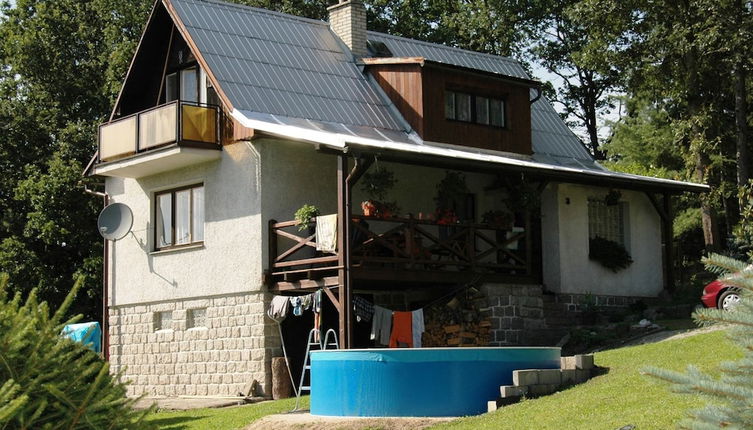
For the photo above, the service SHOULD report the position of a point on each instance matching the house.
(231, 118)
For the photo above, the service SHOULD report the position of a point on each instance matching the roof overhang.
(159, 160)
(412, 149)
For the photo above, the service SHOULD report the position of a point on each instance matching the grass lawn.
(223, 418)
(621, 397)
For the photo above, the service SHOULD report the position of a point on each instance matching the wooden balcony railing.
(174, 122)
(407, 244)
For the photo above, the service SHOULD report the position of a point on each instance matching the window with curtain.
(179, 217)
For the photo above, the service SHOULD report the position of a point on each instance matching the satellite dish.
(115, 221)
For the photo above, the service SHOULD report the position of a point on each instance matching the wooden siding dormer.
(417, 88)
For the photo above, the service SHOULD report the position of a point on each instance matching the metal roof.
(273, 63)
(292, 77)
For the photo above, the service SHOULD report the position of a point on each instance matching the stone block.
(513, 390)
(550, 377)
(525, 377)
(582, 375)
(491, 406)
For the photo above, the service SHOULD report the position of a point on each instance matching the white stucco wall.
(230, 259)
(567, 268)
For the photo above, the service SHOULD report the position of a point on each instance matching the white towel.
(326, 233)
(417, 320)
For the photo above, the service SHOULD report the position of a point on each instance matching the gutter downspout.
(105, 276)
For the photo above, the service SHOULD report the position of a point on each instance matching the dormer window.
(465, 107)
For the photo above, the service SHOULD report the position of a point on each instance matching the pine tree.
(731, 395)
(49, 382)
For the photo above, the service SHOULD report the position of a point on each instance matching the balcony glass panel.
(117, 139)
(157, 126)
(199, 123)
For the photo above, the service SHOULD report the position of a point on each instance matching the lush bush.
(730, 395)
(49, 382)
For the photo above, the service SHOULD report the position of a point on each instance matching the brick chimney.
(347, 19)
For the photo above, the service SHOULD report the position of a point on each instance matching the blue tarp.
(89, 333)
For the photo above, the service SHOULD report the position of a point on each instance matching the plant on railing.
(451, 197)
(376, 185)
(609, 254)
(613, 197)
(305, 215)
(446, 217)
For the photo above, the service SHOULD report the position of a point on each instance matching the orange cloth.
(402, 329)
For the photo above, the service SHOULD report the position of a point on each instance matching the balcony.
(403, 250)
(167, 137)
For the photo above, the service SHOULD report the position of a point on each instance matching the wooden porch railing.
(408, 244)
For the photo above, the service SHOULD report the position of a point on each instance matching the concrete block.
(585, 362)
(582, 376)
(491, 406)
(513, 390)
(525, 377)
(550, 377)
(568, 376)
(542, 389)
(567, 363)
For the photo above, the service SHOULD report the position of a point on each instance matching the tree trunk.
(741, 112)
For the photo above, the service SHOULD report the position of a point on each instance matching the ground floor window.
(606, 221)
(179, 217)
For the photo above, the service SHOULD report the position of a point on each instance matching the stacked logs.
(459, 322)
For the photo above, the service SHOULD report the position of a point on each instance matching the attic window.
(465, 107)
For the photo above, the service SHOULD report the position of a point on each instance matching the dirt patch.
(304, 420)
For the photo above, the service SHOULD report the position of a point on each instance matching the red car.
(718, 295)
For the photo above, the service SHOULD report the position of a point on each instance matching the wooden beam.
(668, 230)
(333, 299)
(659, 209)
(305, 284)
(361, 167)
(393, 60)
(342, 251)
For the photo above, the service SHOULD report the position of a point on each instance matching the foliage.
(609, 254)
(377, 183)
(305, 216)
(729, 396)
(451, 190)
(51, 382)
(61, 66)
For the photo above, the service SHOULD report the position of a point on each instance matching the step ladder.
(315, 343)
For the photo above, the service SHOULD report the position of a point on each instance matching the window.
(179, 217)
(465, 107)
(163, 321)
(606, 221)
(196, 318)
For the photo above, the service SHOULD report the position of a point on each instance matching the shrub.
(49, 382)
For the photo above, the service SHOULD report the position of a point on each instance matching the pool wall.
(424, 382)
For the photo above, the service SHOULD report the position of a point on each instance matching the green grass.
(621, 397)
(236, 417)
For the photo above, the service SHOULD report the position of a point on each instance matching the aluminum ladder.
(318, 345)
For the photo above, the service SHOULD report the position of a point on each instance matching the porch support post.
(343, 251)
(664, 209)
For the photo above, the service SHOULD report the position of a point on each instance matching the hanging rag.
(306, 301)
(402, 336)
(316, 306)
(295, 302)
(364, 309)
(326, 233)
(381, 324)
(417, 321)
(278, 308)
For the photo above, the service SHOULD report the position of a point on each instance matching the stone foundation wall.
(213, 346)
(516, 312)
(575, 302)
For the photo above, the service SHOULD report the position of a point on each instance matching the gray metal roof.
(273, 63)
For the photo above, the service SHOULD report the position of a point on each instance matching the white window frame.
(196, 218)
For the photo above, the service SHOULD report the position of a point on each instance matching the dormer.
(167, 115)
(457, 105)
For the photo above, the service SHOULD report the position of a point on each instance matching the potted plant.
(451, 190)
(609, 254)
(498, 218)
(305, 215)
(613, 197)
(376, 185)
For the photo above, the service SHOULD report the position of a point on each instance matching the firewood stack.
(459, 322)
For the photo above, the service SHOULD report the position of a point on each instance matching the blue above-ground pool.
(422, 382)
